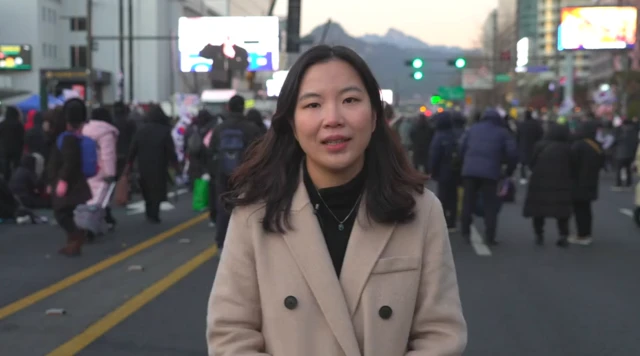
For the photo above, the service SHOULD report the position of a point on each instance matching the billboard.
(597, 27)
(15, 58)
(259, 36)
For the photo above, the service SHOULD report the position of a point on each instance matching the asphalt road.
(519, 299)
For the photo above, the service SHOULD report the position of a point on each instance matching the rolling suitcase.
(91, 217)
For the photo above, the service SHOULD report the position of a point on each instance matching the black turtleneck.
(340, 200)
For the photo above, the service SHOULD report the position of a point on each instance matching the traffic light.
(459, 62)
(416, 64)
(435, 99)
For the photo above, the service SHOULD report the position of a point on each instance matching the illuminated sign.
(597, 27)
(522, 49)
(253, 41)
(15, 57)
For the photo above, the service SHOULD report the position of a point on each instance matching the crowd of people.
(68, 156)
(560, 164)
(46, 160)
(332, 236)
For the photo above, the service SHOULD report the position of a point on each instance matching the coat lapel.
(309, 249)
(368, 240)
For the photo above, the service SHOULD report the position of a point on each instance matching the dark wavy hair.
(270, 173)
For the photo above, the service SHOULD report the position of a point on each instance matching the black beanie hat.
(74, 111)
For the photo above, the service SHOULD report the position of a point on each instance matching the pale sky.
(436, 22)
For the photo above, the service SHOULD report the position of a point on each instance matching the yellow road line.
(102, 326)
(94, 269)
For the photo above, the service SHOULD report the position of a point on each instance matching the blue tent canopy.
(33, 103)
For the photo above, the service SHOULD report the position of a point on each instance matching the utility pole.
(624, 97)
(623, 82)
(271, 7)
(89, 52)
(121, 50)
(131, 91)
(494, 60)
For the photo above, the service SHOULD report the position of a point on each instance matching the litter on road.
(56, 311)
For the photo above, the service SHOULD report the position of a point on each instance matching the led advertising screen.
(15, 57)
(259, 36)
(597, 27)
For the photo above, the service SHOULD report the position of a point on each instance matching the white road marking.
(627, 212)
(477, 242)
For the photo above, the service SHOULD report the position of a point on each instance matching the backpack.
(195, 142)
(89, 149)
(231, 146)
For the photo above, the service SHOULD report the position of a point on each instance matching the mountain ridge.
(386, 56)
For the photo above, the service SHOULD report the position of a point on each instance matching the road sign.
(503, 78)
(451, 93)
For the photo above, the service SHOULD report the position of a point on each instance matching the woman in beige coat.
(334, 247)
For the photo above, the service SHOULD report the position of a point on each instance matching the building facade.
(547, 41)
(605, 64)
(489, 30)
(507, 35)
(56, 30)
(527, 25)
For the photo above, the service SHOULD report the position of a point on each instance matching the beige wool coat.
(279, 295)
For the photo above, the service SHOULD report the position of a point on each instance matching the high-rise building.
(489, 34)
(507, 35)
(516, 19)
(547, 39)
(527, 25)
(605, 64)
(55, 31)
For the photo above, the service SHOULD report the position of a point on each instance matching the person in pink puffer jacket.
(100, 129)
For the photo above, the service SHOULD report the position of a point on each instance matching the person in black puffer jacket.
(11, 141)
(549, 190)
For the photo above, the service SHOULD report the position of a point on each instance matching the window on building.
(43, 15)
(54, 51)
(54, 16)
(78, 23)
(44, 49)
(78, 55)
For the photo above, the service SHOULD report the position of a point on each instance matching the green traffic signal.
(460, 63)
(418, 75)
(435, 99)
(417, 63)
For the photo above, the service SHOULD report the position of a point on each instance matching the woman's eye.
(312, 106)
(351, 100)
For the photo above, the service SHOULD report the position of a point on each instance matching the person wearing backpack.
(445, 165)
(195, 148)
(73, 160)
(228, 144)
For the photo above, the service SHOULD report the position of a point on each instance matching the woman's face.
(333, 119)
